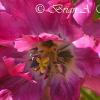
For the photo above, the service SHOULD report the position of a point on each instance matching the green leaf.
(86, 94)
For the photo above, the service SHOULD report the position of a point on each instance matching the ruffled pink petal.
(88, 60)
(88, 42)
(65, 88)
(25, 10)
(6, 46)
(5, 94)
(92, 27)
(71, 31)
(13, 52)
(97, 49)
(29, 41)
(3, 70)
(3, 52)
(21, 89)
(47, 36)
(2, 7)
(67, 29)
(6, 43)
(84, 42)
(20, 67)
(83, 11)
(92, 83)
(16, 70)
(26, 43)
(11, 27)
(35, 23)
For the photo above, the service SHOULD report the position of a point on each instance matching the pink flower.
(5, 94)
(78, 62)
(42, 55)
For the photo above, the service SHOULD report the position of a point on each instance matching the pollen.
(49, 58)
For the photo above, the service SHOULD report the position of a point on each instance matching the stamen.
(48, 43)
(63, 47)
(47, 58)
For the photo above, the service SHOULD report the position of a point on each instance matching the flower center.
(48, 58)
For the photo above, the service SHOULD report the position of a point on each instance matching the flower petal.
(11, 27)
(36, 23)
(84, 42)
(92, 83)
(20, 88)
(28, 42)
(65, 88)
(92, 28)
(88, 60)
(47, 36)
(25, 43)
(16, 70)
(6, 43)
(2, 7)
(97, 49)
(25, 10)
(5, 94)
(6, 46)
(70, 31)
(3, 70)
(83, 11)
